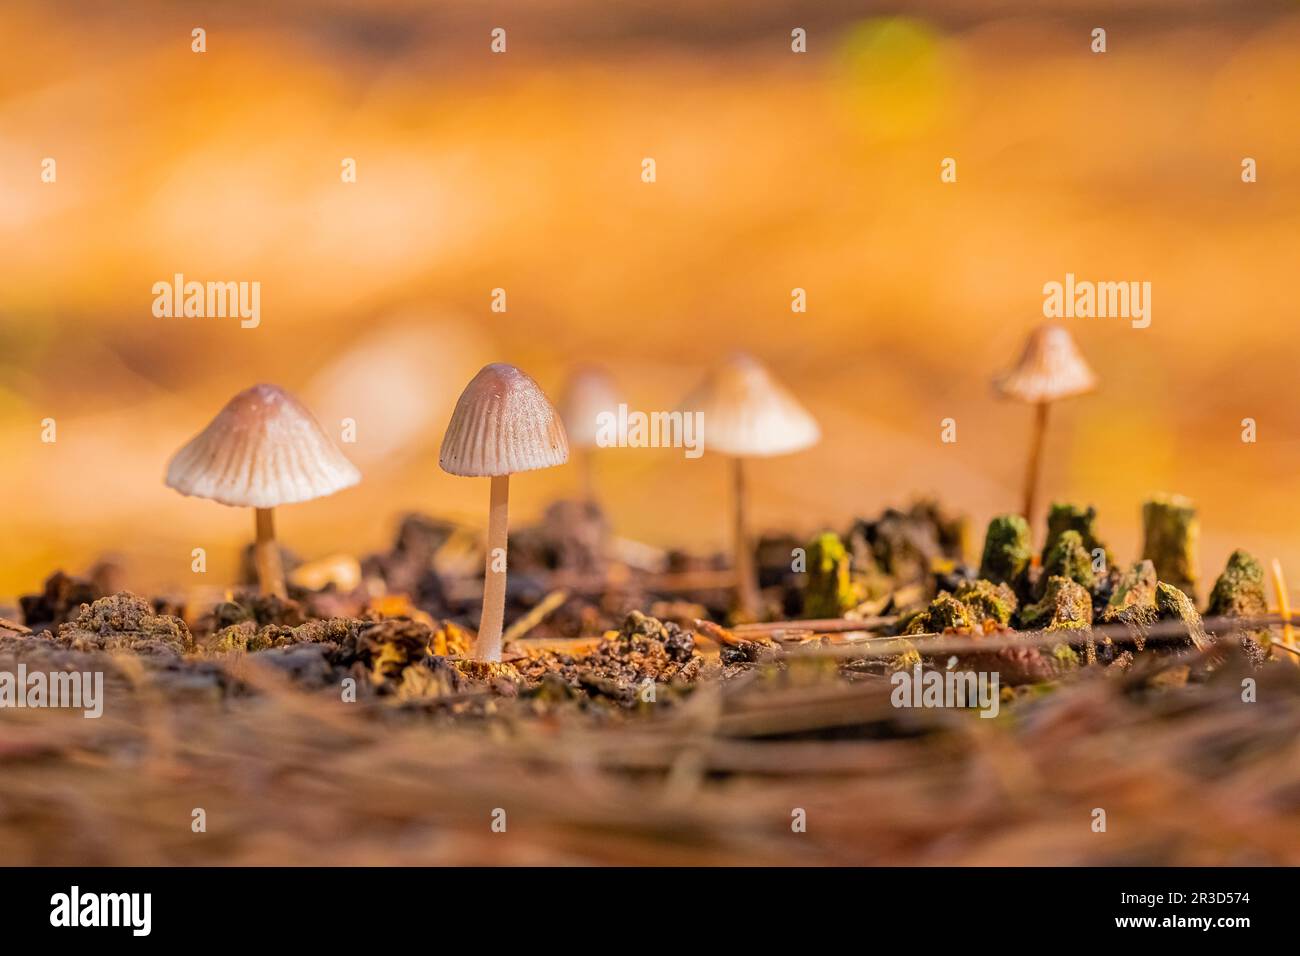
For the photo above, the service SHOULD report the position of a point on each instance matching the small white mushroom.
(502, 424)
(263, 450)
(1050, 368)
(749, 414)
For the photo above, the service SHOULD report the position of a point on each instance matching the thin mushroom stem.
(488, 645)
(266, 555)
(1035, 461)
(746, 581)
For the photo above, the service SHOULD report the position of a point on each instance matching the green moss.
(1007, 552)
(1133, 601)
(908, 659)
(1065, 656)
(1239, 591)
(987, 601)
(1066, 517)
(1069, 558)
(906, 618)
(244, 636)
(1173, 604)
(944, 612)
(830, 590)
(1171, 534)
(1066, 605)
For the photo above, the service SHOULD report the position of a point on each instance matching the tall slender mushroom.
(502, 424)
(1050, 368)
(263, 450)
(588, 393)
(749, 414)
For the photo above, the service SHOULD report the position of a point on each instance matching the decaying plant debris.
(629, 723)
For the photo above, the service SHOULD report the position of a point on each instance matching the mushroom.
(589, 392)
(264, 449)
(502, 424)
(1050, 368)
(748, 414)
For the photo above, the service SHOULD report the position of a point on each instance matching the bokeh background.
(522, 171)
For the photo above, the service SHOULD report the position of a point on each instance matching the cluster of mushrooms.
(265, 449)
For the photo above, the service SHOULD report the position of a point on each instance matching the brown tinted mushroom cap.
(502, 424)
(748, 413)
(264, 449)
(588, 393)
(1050, 367)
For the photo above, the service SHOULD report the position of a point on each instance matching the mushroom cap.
(502, 424)
(588, 392)
(264, 449)
(748, 413)
(1050, 367)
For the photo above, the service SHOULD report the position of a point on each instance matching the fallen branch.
(953, 643)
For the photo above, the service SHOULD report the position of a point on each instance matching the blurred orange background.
(522, 171)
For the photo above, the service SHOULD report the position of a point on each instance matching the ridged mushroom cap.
(748, 413)
(264, 449)
(588, 393)
(502, 424)
(1050, 367)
